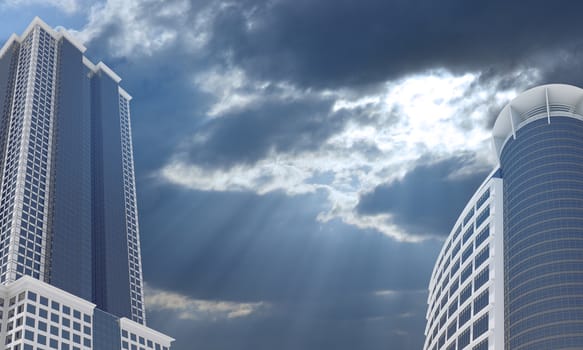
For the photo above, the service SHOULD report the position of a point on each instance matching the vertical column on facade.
(68, 259)
(22, 88)
(9, 64)
(131, 212)
(31, 210)
(111, 271)
(25, 181)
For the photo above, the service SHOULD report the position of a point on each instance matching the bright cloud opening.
(435, 115)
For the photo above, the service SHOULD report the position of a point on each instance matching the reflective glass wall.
(543, 235)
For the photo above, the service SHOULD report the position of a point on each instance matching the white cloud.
(67, 6)
(195, 309)
(434, 113)
(233, 90)
(145, 27)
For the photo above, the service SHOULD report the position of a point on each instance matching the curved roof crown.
(544, 100)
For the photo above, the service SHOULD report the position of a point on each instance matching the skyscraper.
(510, 274)
(69, 236)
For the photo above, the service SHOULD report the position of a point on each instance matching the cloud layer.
(192, 309)
(343, 145)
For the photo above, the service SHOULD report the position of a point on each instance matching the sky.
(298, 162)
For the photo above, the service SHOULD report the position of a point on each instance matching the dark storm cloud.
(331, 43)
(564, 66)
(248, 248)
(323, 43)
(427, 200)
(282, 126)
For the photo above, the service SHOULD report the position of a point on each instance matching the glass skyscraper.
(510, 274)
(70, 265)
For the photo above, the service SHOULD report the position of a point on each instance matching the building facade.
(535, 237)
(68, 214)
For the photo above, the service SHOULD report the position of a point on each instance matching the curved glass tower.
(537, 260)
(543, 225)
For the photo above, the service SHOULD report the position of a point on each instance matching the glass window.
(454, 287)
(483, 235)
(467, 253)
(482, 256)
(481, 278)
(466, 293)
(455, 267)
(467, 272)
(465, 315)
(483, 345)
(480, 326)
(468, 216)
(464, 339)
(451, 329)
(481, 301)
(456, 249)
(468, 234)
(483, 198)
(483, 216)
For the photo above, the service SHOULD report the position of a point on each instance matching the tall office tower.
(531, 252)
(69, 241)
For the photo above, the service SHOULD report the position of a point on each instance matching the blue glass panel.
(465, 315)
(466, 293)
(467, 272)
(481, 301)
(483, 198)
(484, 214)
(482, 277)
(451, 329)
(480, 326)
(483, 345)
(482, 256)
(106, 331)
(482, 236)
(543, 226)
(467, 252)
(468, 216)
(464, 339)
(71, 269)
(111, 265)
(468, 234)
